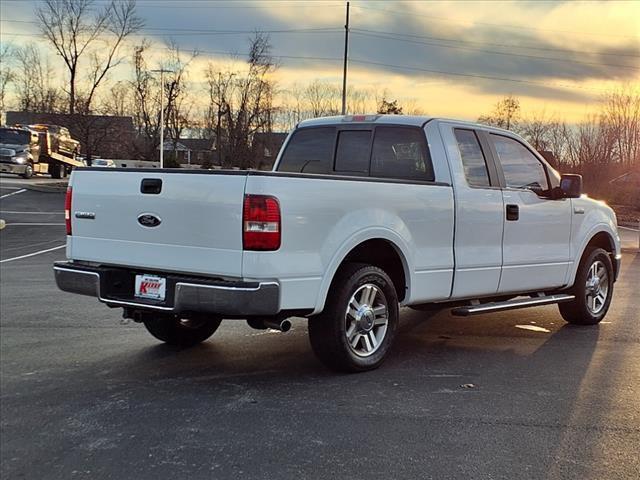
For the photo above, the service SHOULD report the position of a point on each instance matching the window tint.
(475, 167)
(401, 153)
(352, 153)
(310, 150)
(521, 168)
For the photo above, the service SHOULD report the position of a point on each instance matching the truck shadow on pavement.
(475, 398)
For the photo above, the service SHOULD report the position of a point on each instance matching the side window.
(521, 168)
(352, 152)
(475, 166)
(401, 153)
(310, 150)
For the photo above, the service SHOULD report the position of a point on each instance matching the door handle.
(151, 186)
(513, 213)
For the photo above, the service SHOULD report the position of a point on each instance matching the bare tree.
(621, 112)
(34, 84)
(74, 27)
(505, 114)
(146, 105)
(243, 103)
(178, 105)
(7, 75)
(118, 100)
(322, 98)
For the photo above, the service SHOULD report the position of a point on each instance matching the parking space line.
(13, 193)
(21, 224)
(630, 229)
(32, 213)
(33, 254)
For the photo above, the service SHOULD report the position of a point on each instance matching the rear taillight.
(261, 223)
(67, 210)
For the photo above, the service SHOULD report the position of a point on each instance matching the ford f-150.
(361, 215)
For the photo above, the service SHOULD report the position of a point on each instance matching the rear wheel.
(359, 322)
(55, 169)
(593, 289)
(183, 332)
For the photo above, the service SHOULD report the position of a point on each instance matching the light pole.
(162, 72)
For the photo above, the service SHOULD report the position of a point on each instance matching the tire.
(28, 172)
(182, 332)
(351, 339)
(593, 297)
(55, 169)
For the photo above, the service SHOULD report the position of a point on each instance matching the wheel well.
(382, 254)
(603, 240)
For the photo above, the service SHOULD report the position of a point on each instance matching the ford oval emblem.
(149, 220)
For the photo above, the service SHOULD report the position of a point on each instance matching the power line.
(196, 31)
(471, 75)
(380, 32)
(493, 52)
(497, 25)
(503, 45)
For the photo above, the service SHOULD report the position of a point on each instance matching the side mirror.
(571, 185)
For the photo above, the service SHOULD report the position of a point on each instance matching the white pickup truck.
(360, 215)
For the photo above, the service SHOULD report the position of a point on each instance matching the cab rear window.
(385, 151)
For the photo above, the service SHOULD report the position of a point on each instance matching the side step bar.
(510, 305)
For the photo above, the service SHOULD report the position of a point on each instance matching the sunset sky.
(453, 59)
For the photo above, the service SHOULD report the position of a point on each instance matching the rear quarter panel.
(324, 219)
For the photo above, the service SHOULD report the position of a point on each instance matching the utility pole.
(162, 71)
(344, 72)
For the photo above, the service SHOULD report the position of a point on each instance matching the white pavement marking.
(32, 254)
(32, 213)
(630, 229)
(9, 188)
(32, 223)
(14, 193)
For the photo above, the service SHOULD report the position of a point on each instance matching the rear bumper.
(114, 286)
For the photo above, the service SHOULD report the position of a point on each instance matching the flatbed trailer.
(53, 163)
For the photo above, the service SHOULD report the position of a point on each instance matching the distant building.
(194, 151)
(103, 136)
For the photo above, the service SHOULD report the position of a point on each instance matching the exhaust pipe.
(282, 325)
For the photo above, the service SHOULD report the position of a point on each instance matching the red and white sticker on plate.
(150, 286)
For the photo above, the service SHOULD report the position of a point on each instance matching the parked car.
(360, 215)
(104, 163)
(19, 151)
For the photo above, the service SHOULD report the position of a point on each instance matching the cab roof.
(379, 119)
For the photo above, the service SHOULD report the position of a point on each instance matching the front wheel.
(182, 331)
(359, 322)
(593, 289)
(28, 171)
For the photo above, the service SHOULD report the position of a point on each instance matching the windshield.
(14, 137)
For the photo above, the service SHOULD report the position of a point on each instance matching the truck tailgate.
(199, 229)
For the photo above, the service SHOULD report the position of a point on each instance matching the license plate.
(150, 286)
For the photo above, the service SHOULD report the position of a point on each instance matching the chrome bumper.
(18, 168)
(184, 294)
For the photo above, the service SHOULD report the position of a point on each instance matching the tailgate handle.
(151, 186)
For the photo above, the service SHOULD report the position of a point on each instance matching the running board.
(510, 305)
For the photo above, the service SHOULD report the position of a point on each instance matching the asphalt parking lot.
(516, 394)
